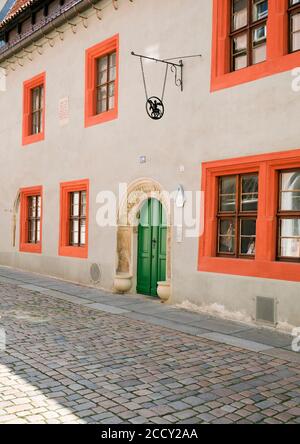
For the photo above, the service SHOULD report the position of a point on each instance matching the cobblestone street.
(71, 363)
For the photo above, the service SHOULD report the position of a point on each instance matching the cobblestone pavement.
(68, 363)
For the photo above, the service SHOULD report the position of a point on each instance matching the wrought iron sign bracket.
(176, 68)
(155, 105)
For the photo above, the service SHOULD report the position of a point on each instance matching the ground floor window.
(31, 219)
(74, 218)
(252, 216)
(77, 221)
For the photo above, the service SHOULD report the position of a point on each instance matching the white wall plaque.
(63, 111)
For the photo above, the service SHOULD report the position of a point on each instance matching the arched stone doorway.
(128, 219)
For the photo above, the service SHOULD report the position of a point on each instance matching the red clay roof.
(18, 6)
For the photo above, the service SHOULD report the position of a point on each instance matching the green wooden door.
(152, 239)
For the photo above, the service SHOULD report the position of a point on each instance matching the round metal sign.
(155, 108)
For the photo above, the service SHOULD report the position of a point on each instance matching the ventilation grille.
(95, 273)
(266, 310)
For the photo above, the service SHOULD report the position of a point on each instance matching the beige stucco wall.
(198, 126)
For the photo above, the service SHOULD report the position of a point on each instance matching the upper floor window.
(105, 88)
(34, 109)
(237, 214)
(37, 109)
(294, 25)
(101, 84)
(248, 33)
(289, 216)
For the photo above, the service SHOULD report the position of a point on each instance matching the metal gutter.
(67, 12)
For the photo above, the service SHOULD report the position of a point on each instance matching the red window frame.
(25, 245)
(28, 86)
(278, 57)
(92, 54)
(65, 249)
(265, 263)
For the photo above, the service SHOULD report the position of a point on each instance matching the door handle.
(154, 242)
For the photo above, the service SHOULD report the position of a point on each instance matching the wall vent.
(266, 310)
(95, 273)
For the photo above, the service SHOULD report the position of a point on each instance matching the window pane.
(239, 49)
(83, 203)
(296, 41)
(295, 22)
(38, 231)
(290, 238)
(290, 191)
(290, 228)
(259, 54)
(74, 236)
(239, 62)
(240, 14)
(290, 248)
(248, 246)
(228, 185)
(102, 100)
(111, 92)
(38, 206)
(250, 183)
(240, 44)
(112, 64)
(295, 30)
(249, 198)
(82, 231)
(248, 227)
(31, 206)
(260, 9)
(35, 99)
(35, 123)
(290, 181)
(102, 70)
(248, 234)
(226, 236)
(228, 193)
(290, 201)
(75, 204)
(259, 35)
(31, 231)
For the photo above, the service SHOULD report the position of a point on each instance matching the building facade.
(74, 130)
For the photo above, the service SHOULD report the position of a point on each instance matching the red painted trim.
(90, 118)
(28, 85)
(278, 59)
(24, 194)
(265, 264)
(64, 248)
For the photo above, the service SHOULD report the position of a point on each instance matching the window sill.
(285, 271)
(79, 252)
(33, 138)
(101, 118)
(264, 69)
(31, 248)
